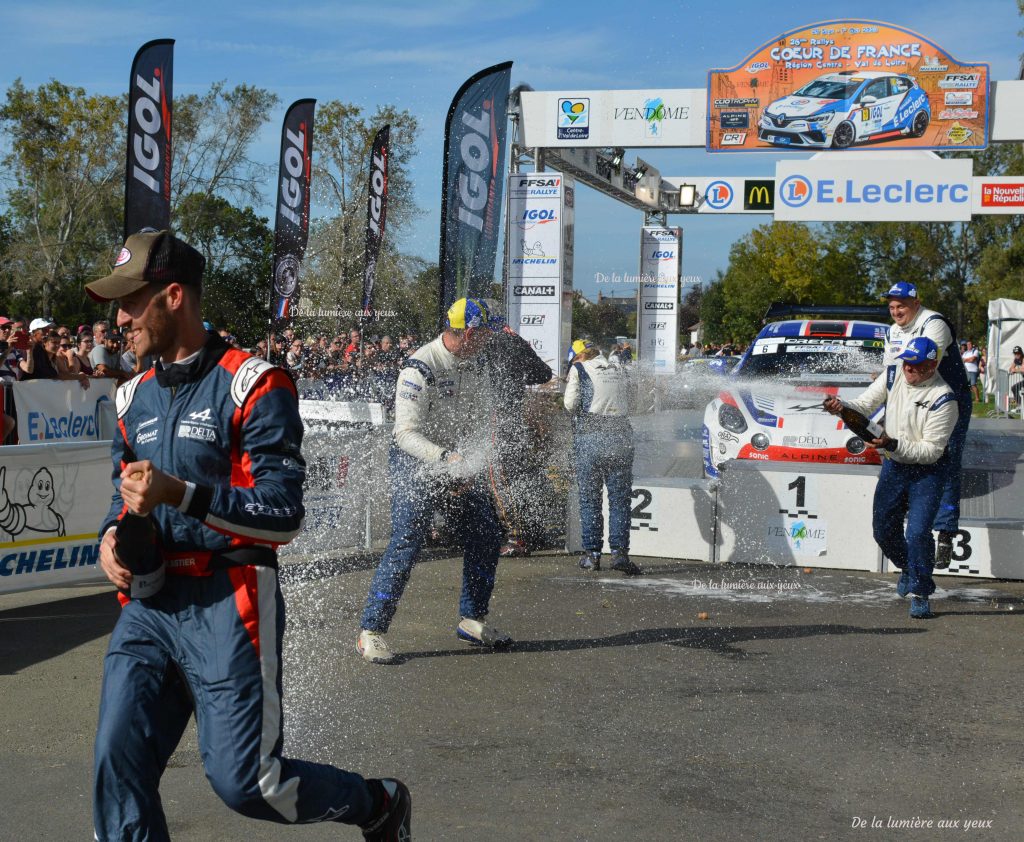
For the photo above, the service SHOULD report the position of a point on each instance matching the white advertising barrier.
(984, 549)
(61, 410)
(53, 498)
(657, 321)
(345, 447)
(805, 515)
(669, 518)
(846, 186)
(539, 260)
(614, 118)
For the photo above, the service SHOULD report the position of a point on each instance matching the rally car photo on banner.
(840, 109)
(770, 406)
(843, 84)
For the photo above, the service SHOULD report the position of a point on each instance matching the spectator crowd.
(346, 365)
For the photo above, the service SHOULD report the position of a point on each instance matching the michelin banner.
(657, 321)
(539, 250)
(53, 498)
(845, 83)
(61, 410)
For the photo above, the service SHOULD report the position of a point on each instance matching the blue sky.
(415, 55)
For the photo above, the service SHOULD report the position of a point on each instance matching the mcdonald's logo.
(759, 195)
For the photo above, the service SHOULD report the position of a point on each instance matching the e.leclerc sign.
(876, 190)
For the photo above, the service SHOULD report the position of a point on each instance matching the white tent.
(1005, 329)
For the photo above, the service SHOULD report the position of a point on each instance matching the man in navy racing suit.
(207, 445)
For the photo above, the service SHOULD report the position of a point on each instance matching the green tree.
(64, 174)
(601, 322)
(781, 261)
(333, 269)
(712, 310)
(238, 246)
(1000, 263)
(212, 135)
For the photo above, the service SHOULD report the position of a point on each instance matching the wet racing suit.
(442, 404)
(951, 369)
(596, 395)
(228, 425)
(921, 418)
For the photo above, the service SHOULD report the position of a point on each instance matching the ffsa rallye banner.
(848, 83)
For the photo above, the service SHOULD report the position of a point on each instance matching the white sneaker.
(374, 648)
(479, 634)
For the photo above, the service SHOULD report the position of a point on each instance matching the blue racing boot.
(919, 608)
(622, 563)
(590, 560)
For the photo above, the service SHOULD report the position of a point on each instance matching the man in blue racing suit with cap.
(207, 446)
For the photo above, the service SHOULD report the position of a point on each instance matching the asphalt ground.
(804, 703)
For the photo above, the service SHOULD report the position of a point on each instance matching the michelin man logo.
(36, 516)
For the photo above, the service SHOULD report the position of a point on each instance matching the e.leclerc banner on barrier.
(471, 185)
(62, 411)
(291, 225)
(147, 188)
(848, 83)
(53, 497)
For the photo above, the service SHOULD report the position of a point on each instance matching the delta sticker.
(123, 257)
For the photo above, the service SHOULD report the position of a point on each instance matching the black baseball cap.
(150, 257)
(1018, 350)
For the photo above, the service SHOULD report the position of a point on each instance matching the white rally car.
(769, 407)
(838, 110)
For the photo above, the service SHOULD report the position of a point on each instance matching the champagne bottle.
(137, 549)
(859, 424)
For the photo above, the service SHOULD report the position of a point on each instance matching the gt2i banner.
(848, 83)
(147, 188)
(291, 227)
(657, 319)
(47, 524)
(376, 214)
(474, 156)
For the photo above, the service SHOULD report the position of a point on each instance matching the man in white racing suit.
(439, 455)
(911, 320)
(597, 397)
(920, 414)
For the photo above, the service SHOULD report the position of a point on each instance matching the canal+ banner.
(61, 410)
(848, 187)
(53, 498)
(848, 84)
